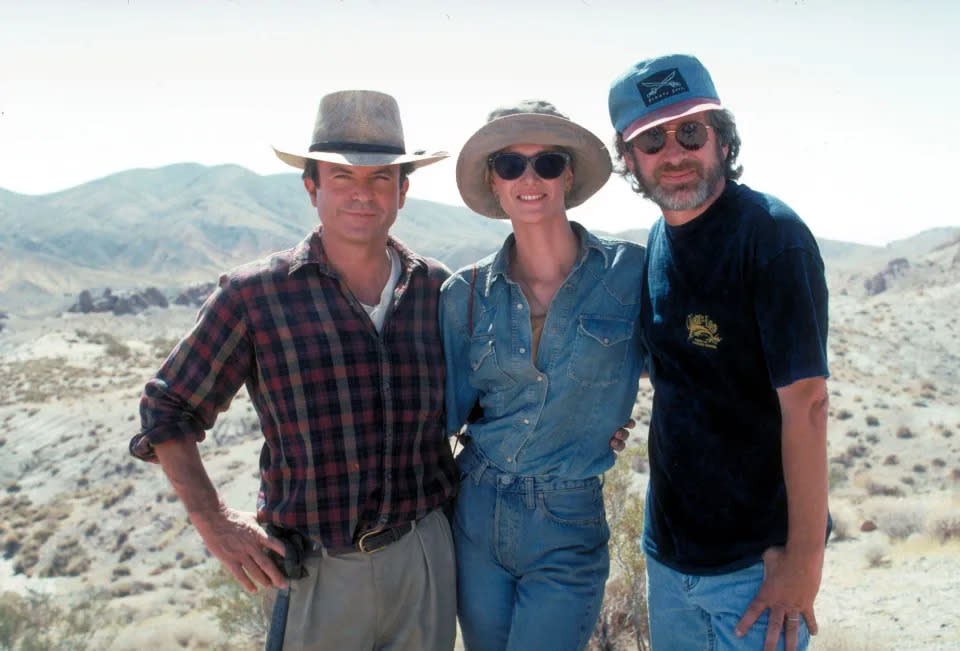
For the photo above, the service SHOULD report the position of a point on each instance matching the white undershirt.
(378, 312)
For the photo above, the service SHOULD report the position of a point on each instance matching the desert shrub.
(876, 488)
(876, 555)
(238, 613)
(919, 467)
(938, 463)
(838, 476)
(36, 622)
(623, 615)
(903, 432)
(843, 414)
(896, 517)
(944, 523)
(872, 420)
(844, 524)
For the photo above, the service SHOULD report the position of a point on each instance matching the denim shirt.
(555, 418)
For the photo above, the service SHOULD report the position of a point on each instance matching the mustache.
(681, 167)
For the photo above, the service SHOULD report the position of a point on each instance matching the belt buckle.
(367, 535)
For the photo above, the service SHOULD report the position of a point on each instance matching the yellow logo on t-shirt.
(702, 331)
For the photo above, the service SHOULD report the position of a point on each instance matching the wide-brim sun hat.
(533, 122)
(359, 128)
(658, 90)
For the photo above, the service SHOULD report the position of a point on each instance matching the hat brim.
(360, 159)
(671, 112)
(590, 158)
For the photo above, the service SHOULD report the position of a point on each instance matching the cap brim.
(671, 112)
(590, 158)
(357, 159)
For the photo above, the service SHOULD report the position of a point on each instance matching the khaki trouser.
(402, 597)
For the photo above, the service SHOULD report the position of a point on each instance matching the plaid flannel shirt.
(353, 420)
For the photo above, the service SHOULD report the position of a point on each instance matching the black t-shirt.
(734, 307)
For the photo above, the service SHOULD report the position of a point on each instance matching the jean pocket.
(600, 349)
(579, 508)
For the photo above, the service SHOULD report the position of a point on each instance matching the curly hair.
(723, 124)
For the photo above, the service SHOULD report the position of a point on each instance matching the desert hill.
(186, 223)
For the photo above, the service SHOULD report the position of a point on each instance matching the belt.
(372, 541)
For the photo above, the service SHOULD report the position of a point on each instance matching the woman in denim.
(541, 338)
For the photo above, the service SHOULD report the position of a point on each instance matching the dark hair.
(724, 126)
(310, 170)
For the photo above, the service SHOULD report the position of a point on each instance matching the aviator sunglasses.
(691, 136)
(547, 164)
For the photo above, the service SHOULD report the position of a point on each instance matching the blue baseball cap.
(658, 90)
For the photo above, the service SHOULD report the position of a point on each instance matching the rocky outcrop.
(125, 302)
(195, 294)
(879, 283)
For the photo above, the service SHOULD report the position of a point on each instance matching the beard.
(684, 196)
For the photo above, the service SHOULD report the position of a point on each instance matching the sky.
(846, 108)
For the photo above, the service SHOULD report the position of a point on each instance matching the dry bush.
(904, 432)
(624, 509)
(943, 523)
(876, 555)
(844, 523)
(898, 518)
(37, 622)
(872, 420)
(239, 613)
(843, 414)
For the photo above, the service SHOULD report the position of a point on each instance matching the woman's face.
(531, 198)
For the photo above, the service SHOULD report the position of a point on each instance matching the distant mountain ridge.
(186, 223)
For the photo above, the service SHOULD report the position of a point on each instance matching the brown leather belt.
(373, 541)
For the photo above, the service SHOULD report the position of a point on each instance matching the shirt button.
(606, 340)
(519, 306)
(506, 480)
(539, 378)
(523, 350)
(526, 421)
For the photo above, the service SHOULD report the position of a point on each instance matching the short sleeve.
(791, 312)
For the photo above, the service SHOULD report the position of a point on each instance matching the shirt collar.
(310, 252)
(501, 261)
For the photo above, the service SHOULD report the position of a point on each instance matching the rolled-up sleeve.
(199, 378)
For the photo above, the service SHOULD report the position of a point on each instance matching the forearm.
(181, 462)
(804, 445)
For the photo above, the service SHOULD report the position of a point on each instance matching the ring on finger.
(793, 619)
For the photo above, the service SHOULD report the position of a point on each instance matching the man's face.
(678, 179)
(357, 205)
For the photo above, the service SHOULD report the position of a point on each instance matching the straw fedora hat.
(359, 127)
(530, 122)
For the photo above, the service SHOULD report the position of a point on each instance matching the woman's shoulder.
(461, 281)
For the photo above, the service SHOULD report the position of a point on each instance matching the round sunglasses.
(547, 164)
(691, 136)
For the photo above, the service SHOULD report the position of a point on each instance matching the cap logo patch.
(661, 85)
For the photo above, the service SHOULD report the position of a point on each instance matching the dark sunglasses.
(691, 136)
(547, 164)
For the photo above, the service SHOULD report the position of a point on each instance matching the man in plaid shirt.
(338, 345)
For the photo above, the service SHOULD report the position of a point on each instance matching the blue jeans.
(532, 558)
(700, 612)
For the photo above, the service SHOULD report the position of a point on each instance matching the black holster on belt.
(295, 545)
